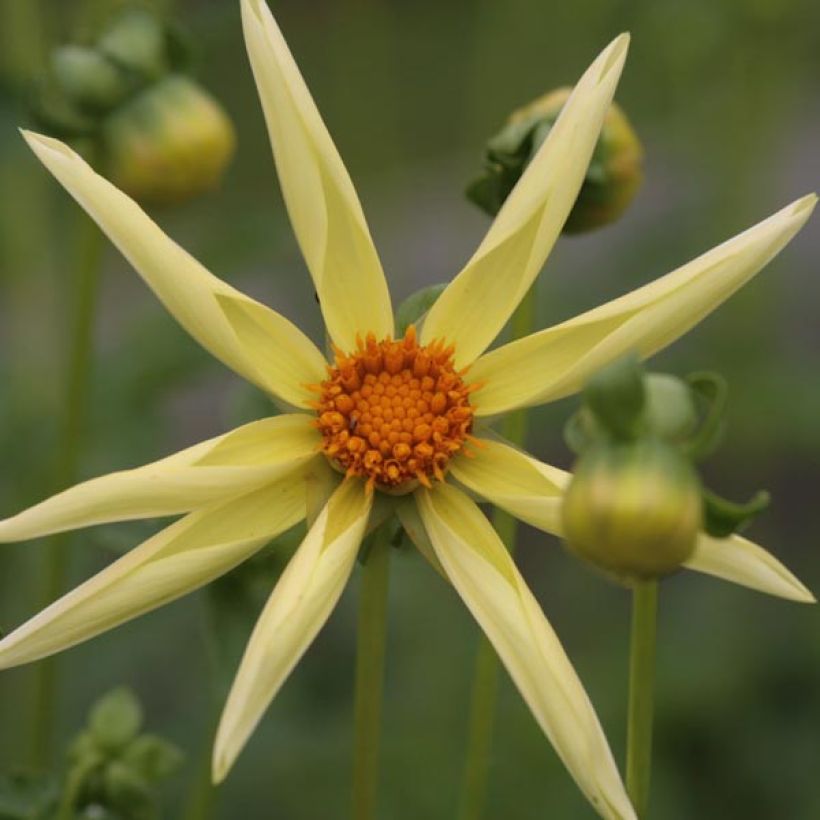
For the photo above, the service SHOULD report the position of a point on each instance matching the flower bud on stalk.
(613, 177)
(170, 143)
(633, 508)
(635, 504)
(159, 136)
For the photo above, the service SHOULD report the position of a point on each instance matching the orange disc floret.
(394, 411)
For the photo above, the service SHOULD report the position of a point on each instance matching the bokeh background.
(725, 97)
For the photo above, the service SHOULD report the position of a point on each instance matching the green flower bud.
(137, 41)
(168, 144)
(633, 509)
(115, 719)
(613, 178)
(89, 79)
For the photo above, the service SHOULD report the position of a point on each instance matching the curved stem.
(84, 294)
(485, 676)
(371, 645)
(641, 694)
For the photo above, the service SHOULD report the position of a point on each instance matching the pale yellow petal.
(479, 301)
(558, 361)
(511, 479)
(738, 560)
(181, 558)
(408, 514)
(321, 200)
(297, 609)
(481, 570)
(237, 462)
(184, 286)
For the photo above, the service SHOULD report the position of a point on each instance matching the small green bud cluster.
(613, 177)
(114, 768)
(635, 504)
(160, 136)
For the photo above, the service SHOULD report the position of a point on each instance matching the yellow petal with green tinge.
(321, 200)
(297, 609)
(556, 362)
(479, 301)
(509, 478)
(237, 462)
(481, 570)
(181, 558)
(742, 562)
(182, 284)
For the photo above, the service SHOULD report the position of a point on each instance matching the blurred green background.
(725, 97)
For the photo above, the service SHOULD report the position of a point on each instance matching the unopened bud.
(633, 509)
(613, 177)
(137, 41)
(170, 143)
(89, 79)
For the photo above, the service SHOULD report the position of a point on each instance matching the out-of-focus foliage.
(724, 98)
(111, 771)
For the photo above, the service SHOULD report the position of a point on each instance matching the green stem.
(371, 646)
(84, 294)
(485, 676)
(641, 694)
(71, 790)
(202, 796)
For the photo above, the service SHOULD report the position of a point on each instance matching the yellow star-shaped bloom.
(390, 425)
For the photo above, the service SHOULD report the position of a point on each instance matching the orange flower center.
(394, 411)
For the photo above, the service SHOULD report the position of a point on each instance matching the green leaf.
(115, 719)
(722, 518)
(413, 308)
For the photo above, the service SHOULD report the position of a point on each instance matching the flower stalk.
(84, 292)
(371, 646)
(641, 694)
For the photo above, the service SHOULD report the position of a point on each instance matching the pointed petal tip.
(47, 147)
(804, 206)
(802, 594)
(614, 55)
(219, 766)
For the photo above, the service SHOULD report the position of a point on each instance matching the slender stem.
(202, 796)
(641, 695)
(371, 646)
(485, 676)
(84, 295)
(480, 733)
(71, 791)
